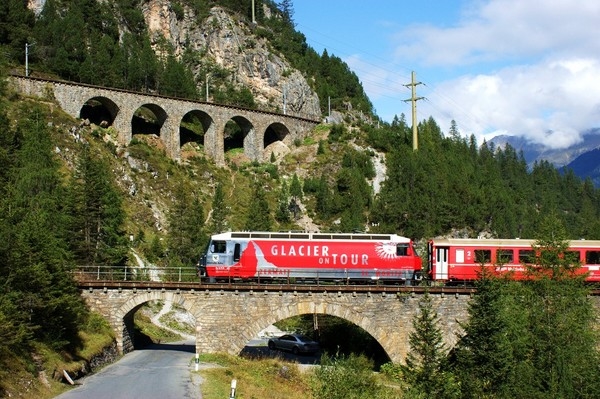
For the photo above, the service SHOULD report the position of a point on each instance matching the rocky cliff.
(228, 42)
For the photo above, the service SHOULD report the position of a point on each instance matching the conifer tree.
(218, 215)
(564, 354)
(283, 205)
(36, 261)
(487, 354)
(259, 215)
(186, 239)
(98, 236)
(425, 370)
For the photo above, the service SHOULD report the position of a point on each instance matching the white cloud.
(546, 61)
(550, 103)
(500, 29)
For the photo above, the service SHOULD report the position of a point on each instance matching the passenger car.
(296, 343)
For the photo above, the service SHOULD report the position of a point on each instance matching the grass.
(256, 378)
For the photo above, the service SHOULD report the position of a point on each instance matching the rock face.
(230, 44)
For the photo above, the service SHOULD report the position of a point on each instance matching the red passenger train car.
(265, 256)
(457, 259)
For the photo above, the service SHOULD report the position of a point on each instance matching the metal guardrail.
(185, 278)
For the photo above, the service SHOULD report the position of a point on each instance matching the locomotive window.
(483, 255)
(218, 247)
(526, 256)
(236, 252)
(504, 256)
(592, 257)
(402, 250)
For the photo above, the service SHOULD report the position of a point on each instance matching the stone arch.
(99, 110)
(188, 128)
(148, 119)
(276, 133)
(239, 132)
(123, 318)
(309, 307)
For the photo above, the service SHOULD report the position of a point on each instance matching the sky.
(525, 68)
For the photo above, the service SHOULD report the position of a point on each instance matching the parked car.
(296, 343)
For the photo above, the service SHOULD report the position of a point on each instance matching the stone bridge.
(258, 128)
(227, 318)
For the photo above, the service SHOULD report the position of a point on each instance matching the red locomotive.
(453, 260)
(264, 256)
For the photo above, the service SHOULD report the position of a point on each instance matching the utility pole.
(253, 15)
(284, 99)
(27, 45)
(413, 99)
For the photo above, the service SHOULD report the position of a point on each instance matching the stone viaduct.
(259, 128)
(226, 319)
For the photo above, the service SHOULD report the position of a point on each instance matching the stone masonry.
(122, 104)
(227, 320)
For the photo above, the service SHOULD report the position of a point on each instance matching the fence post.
(233, 388)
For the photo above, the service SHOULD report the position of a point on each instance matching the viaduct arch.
(227, 319)
(121, 107)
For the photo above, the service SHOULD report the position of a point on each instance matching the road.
(162, 371)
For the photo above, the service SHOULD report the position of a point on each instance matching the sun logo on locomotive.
(386, 250)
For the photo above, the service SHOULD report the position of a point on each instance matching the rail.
(185, 278)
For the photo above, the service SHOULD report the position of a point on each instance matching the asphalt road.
(162, 371)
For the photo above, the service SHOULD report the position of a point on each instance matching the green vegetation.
(66, 202)
(530, 339)
(342, 377)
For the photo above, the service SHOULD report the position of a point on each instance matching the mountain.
(582, 158)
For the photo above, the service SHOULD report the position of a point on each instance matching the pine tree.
(564, 355)
(283, 205)
(485, 361)
(259, 215)
(36, 262)
(186, 239)
(98, 236)
(218, 215)
(425, 370)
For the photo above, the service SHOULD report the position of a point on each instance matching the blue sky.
(518, 67)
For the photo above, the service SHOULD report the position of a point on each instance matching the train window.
(592, 257)
(526, 256)
(402, 250)
(460, 256)
(483, 255)
(218, 247)
(504, 256)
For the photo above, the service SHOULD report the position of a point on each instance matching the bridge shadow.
(263, 352)
(185, 346)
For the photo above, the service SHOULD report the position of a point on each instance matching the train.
(311, 257)
(460, 259)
